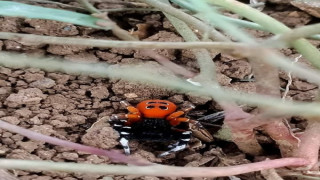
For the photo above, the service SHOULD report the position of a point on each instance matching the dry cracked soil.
(77, 108)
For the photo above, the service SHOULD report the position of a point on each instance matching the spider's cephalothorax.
(157, 120)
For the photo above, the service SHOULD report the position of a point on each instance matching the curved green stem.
(204, 59)
(38, 39)
(289, 37)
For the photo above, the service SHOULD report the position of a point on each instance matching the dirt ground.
(76, 108)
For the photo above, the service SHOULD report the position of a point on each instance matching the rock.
(69, 156)
(123, 51)
(198, 100)
(2, 113)
(12, 45)
(223, 79)
(238, 69)
(35, 120)
(143, 91)
(103, 137)
(302, 85)
(5, 71)
(109, 57)
(162, 36)
(22, 154)
(292, 18)
(247, 87)
(306, 96)
(139, 91)
(4, 90)
(177, 99)
(99, 92)
(9, 24)
(65, 49)
(130, 95)
(24, 112)
(82, 57)
(76, 119)
(59, 78)
(29, 146)
(11, 120)
(311, 7)
(58, 101)
(43, 129)
(44, 83)
(94, 159)
(48, 27)
(29, 97)
(46, 154)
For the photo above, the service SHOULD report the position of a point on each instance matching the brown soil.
(76, 108)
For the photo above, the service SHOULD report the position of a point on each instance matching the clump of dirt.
(76, 108)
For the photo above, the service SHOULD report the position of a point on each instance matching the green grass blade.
(15, 9)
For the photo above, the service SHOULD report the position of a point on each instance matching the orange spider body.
(156, 108)
(156, 120)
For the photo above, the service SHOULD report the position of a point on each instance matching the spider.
(157, 120)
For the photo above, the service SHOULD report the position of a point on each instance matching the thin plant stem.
(153, 170)
(300, 32)
(147, 75)
(277, 60)
(204, 59)
(15, 9)
(136, 4)
(127, 9)
(31, 38)
(217, 21)
(87, 5)
(57, 3)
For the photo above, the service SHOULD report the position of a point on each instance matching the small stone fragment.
(31, 96)
(310, 6)
(99, 92)
(11, 120)
(103, 137)
(44, 83)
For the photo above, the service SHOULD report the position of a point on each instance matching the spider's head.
(156, 108)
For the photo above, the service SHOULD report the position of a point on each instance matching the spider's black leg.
(124, 138)
(124, 131)
(180, 145)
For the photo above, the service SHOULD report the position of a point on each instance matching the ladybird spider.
(157, 120)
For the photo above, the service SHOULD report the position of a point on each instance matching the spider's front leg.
(195, 126)
(122, 124)
(182, 143)
(175, 119)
